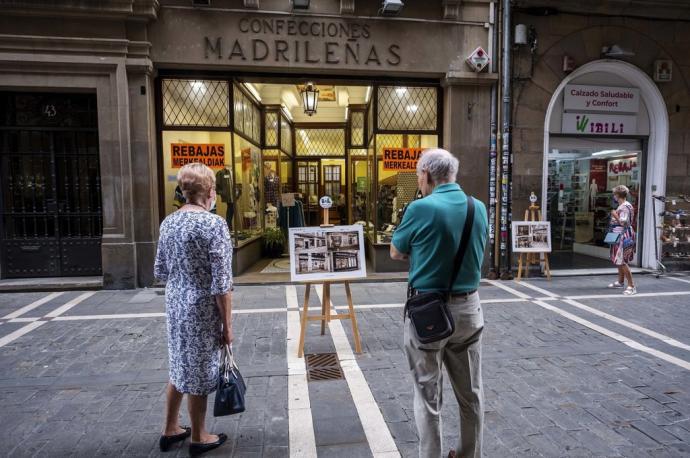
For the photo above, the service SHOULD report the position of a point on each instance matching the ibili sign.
(598, 124)
(302, 41)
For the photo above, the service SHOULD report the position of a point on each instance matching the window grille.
(271, 129)
(285, 135)
(386, 141)
(320, 142)
(370, 122)
(195, 103)
(357, 128)
(407, 108)
(247, 116)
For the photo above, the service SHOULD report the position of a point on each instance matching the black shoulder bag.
(428, 312)
(231, 388)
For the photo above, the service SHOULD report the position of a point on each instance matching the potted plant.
(274, 242)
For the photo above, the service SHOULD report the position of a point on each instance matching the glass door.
(358, 190)
(308, 185)
(582, 174)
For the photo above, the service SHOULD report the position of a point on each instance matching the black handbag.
(231, 388)
(428, 312)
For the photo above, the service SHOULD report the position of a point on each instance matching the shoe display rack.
(673, 229)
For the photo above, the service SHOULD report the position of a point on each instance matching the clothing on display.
(272, 189)
(224, 190)
(291, 216)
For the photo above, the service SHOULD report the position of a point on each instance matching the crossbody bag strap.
(464, 242)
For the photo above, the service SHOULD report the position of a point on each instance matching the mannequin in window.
(224, 190)
(593, 190)
(271, 186)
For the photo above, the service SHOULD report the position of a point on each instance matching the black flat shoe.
(198, 449)
(166, 441)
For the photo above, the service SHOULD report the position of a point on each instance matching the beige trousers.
(461, 355)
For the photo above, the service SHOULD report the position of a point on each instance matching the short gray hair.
(439, 164)
(621, 191)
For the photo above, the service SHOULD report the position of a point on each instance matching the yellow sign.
(401, 159)
(210, 154)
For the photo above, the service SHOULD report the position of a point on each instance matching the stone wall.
(582, 37)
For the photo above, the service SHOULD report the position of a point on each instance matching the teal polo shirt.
(430, 234)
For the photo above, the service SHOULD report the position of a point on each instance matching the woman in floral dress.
(623, 252)
(194, 258)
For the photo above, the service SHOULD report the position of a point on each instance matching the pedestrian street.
(570, 368)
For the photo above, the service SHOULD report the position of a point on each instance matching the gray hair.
(621, 191)
(439, 164)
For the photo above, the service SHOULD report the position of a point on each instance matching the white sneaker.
(616, 284)
(630, 290)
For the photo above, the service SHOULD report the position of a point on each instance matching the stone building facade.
(618, 44)
(116, 50)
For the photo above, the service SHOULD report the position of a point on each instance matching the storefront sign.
(618, 167)
(301, 40)
(401, 159)
(601, 98)
(210, 154)
(598, 124)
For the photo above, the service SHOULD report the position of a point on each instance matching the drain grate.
(323, 366)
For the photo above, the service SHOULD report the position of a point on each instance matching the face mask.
(614, 202)
(213, 204)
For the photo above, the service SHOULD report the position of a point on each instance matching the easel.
(326, 315)
(533, 213)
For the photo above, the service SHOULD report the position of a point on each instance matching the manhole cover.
(323, 366)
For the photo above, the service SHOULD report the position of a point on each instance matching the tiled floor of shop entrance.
(570, 369)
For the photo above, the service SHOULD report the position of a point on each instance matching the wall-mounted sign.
(210, 154)
(601, 98)
(401, 159)
(663, 70)
(599, 124)
(293, 41)
(478, 60)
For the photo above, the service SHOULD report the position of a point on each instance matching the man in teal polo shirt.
(429, 236)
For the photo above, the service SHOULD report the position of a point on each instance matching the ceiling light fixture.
(310, 99)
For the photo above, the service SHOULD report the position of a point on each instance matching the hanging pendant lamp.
(310, 99)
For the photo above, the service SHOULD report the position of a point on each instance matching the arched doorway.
(653, 140)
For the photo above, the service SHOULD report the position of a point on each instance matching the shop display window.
(395, 189)
(287, 183)
(580, 199)
(285, 135)
(181, 147)
(249, 196)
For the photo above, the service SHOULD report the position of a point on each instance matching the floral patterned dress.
(194, 257)
(623, 252)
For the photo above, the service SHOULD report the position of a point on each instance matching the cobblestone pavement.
(570, 369)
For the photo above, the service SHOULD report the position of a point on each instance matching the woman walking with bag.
(194, 257)
(623, 250)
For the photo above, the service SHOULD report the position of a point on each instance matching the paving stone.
(338, 430)
(655, 432)
(360, 450)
